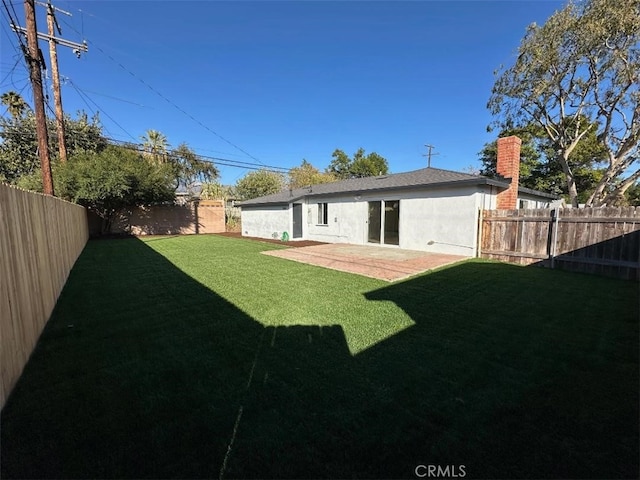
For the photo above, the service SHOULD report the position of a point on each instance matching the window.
(323, 214)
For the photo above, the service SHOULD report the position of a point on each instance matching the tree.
(259, 183)
(19, 146)
(216, 191)
(155, 144)
(633, 195)
(112, 180)
(539, 168)
(343, 167)
(579, 72)
(306, 174)
(187, 167)
(82, 134)
(15, 103)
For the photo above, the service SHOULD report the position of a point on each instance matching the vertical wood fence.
(40, 239)
(603, 241)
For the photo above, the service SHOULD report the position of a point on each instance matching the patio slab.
(384, 263)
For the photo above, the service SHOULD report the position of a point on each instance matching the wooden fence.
(603, 241)
(40, 239)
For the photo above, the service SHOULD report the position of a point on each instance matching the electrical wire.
(77, 89)
(14, 22)
(174, 105)
(207, 158)
(86, 99)
(217, 161)
(10, 72)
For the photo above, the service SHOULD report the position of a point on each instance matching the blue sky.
(274, 82)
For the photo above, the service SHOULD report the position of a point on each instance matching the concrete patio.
(384, 263)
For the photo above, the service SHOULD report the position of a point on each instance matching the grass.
(197, 357)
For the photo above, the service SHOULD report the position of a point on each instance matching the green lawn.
(198, 357)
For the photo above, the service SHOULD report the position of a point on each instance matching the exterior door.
(297, 220)
(384, 222)
(392, 222)
(375, 210)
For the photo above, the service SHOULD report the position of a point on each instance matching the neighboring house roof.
(426, 177)
(538, 193)
(193, 189)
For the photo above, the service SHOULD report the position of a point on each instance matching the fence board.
(592, 240)
(40, 239)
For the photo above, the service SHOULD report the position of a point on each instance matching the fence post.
(479, 239)
(553, 236)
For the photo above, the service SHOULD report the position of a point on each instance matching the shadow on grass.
(160, 377)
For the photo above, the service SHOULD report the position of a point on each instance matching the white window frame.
(323, 213)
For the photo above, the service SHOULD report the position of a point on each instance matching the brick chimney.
(508, 165)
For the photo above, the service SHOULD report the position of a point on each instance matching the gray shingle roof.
(550, 196)
(425, 177)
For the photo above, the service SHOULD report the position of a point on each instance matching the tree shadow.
(161, 377)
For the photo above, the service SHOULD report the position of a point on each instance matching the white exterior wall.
(268, 221)
(346, 220)
(443, 220)
(439, 220)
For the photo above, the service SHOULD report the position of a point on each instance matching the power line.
(14, 23)
(218, 161)
(174, 105)
(78, 90)
(207, 158)
(10, 71)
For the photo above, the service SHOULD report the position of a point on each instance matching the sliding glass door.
(374, 222)
(392, 222)
(384, 222)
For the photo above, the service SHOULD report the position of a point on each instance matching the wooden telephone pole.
(53, 42)
(35, 74)
(57, 96)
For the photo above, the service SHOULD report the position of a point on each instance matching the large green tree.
(112, 180)
(578, 73)
(19, 145)
(306, 174)
(188, 167)
(259, 183)
(361, 165)
(539, 167)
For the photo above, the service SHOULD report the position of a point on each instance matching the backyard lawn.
(198, 357)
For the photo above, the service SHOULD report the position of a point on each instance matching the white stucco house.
(428, 209)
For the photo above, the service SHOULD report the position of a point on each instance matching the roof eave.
(471, 181)
(249, 203)
(456, 183)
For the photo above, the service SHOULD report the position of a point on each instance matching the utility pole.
(429, 155)
(57, 96)
(35, 74)
(53, 42)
